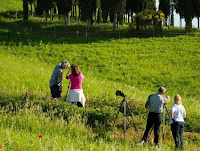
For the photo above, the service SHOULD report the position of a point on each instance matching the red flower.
(1, 146)
(40, 136)
(17, 149)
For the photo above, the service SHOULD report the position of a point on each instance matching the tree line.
(113, 10)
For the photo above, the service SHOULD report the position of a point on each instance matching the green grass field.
(136, 66)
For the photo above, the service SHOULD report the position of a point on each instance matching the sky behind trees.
(177, 19)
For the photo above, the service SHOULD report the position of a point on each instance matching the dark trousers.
(177, 132)
(154, 120)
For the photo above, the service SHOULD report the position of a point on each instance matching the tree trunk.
(65, 18)
(180, 22)
(72, 11)
(31, 9)
(114, 22)
(188, 22)
(88, 24)
(76, 13)
(68, 21)
(46, 15)
(132, 19)
(128, 17)
(25, 10)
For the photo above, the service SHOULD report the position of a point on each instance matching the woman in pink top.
(76, 91)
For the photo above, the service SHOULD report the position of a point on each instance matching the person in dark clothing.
(155, 105)
(55, 82)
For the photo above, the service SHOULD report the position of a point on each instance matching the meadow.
(136, 66)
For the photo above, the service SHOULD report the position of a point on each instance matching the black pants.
(177, 132)
(154, 120)
(56, 91)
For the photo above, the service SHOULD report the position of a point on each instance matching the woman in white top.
(177, 114)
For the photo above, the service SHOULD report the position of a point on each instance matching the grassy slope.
(11, 5)
(26, 126)
(98, 81)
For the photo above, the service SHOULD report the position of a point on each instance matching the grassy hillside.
(11, 5)
(135, 66)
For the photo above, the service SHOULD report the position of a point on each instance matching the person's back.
(56, 76)
(76, 91)
(76, 81)
(177, 115)
(155, 103)
(179, 112)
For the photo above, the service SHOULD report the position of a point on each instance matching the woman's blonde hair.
(177, 99)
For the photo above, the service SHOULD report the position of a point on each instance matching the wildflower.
(17, 149)
(40, 136)
(1, 146)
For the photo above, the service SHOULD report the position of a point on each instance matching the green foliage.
(164, 6)
(148, 18)
(11, 5)
(64, 6)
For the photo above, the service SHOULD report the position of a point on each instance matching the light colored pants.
(76, 95)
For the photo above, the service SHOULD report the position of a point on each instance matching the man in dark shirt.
(55, 82)
(155, 104)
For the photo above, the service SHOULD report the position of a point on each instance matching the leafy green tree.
(38, 10)
(196, 8)
(105, 6)
(25, 10)
(31, 2)
(64, 7)
(88, 8)
(185, 8)
(47, 5)
(117, 7)
(164, 6)
(99, 12)
(148, 18)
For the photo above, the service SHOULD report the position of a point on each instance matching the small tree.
(47, 5)
(31, 2)
(64, 7)
(149, 18)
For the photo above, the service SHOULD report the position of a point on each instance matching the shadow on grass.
(34, 30)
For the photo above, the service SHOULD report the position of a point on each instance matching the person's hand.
(68, 64)
(168, 97)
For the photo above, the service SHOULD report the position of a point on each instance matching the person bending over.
(155, 105)
(177, 114)
(76, 94)
(55, 82)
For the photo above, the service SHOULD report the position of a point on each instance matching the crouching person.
(76, 94)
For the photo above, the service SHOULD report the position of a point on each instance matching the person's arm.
(148, 102)
(171, 114)
(184, 114)
(68, 73)
(59, 77)
(167, 99)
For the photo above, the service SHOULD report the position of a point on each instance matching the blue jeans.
(177, 132)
